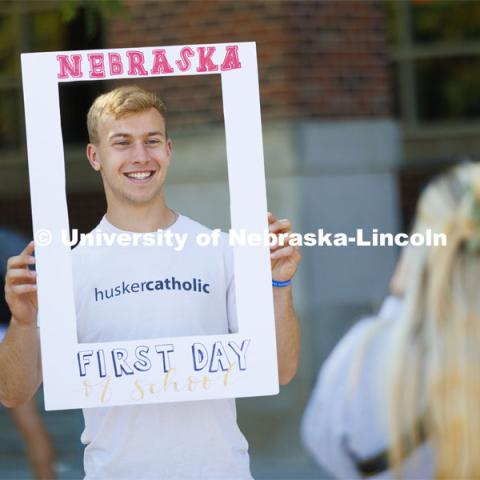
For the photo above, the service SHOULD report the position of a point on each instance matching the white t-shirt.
(345, 420)
(149, 292)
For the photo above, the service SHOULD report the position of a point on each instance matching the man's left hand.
(284, 259)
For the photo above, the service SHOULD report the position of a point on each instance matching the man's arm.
(20, 372)
(288, 334)
(285, 262)
(20, 367)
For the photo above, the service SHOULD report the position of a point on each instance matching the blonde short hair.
(120, 102)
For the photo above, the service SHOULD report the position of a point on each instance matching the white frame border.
(63, 387)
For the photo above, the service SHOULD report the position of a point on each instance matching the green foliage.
(94, 9)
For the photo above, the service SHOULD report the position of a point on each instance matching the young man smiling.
(130, 147)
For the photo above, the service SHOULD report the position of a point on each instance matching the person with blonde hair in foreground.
(399, 395)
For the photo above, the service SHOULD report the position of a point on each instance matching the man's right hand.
(20, 366)
(21, 287)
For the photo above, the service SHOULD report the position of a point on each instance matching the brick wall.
(319, 58)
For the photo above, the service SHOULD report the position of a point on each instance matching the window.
(436, 51)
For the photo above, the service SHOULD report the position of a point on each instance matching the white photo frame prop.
(240, 364)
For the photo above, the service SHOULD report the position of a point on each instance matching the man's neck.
(142, 219)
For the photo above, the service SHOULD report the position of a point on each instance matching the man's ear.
(169, 148)
(93, 157)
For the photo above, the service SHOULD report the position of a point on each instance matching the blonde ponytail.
(435, 369)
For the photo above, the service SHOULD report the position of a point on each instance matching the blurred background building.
(362, 102)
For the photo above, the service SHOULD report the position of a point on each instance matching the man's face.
(133, 156)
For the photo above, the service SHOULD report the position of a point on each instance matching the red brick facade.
(317, 59)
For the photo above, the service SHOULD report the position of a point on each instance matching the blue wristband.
(286, 283)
